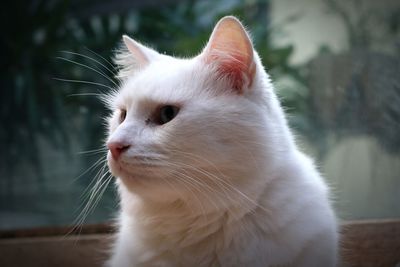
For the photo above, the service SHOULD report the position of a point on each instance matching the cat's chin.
(130, 176)
(118, 171)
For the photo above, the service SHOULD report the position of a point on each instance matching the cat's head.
(184, 128)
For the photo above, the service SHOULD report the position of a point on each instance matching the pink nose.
(117, 148)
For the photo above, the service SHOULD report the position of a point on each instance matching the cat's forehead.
(169, 80)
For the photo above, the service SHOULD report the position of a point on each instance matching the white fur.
(222, 184)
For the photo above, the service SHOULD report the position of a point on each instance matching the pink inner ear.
(235, 67)
(231, 52)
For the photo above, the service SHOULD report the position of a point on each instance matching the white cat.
(208, 170)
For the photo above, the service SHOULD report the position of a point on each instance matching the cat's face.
(183, 127)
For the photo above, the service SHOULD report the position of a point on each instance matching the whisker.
(97, 54)
(90, 58)
(90, 68)
(94, 151)
(85, 94)
(214, 192)
(90, 192)
(94, 165)
(211, 189)
(97, 180)
(83, 82)
(100, 192)
(188, 186)
(78, 222)
(193, 181)
(222, 181)
(94, 181)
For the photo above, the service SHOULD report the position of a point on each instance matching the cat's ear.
(141, 53)
(133, 56)
(231, 51)
(136, 50)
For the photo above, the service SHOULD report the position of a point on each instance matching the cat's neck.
(194, 208)
(183, 225)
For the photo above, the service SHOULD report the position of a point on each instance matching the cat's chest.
(213, 241)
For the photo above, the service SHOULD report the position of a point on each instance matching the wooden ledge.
(363, 244)
(371, 243)
(101, 228)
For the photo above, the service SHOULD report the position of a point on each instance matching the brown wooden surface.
(371, 243)
(72, 251)
(364, 244)
(102, 228)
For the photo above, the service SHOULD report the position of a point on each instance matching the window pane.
(348, 115)
(335, 65)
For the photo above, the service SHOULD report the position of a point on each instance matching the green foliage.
(35, 105)
(31, 103)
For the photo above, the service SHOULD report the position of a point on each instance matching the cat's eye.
(166, 114)
(122, 115)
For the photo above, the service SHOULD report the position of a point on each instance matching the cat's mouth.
(135, 167)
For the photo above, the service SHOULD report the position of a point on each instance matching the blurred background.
(335, 65)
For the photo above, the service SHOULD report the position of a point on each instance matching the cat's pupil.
(122, 115)
(167, 113)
